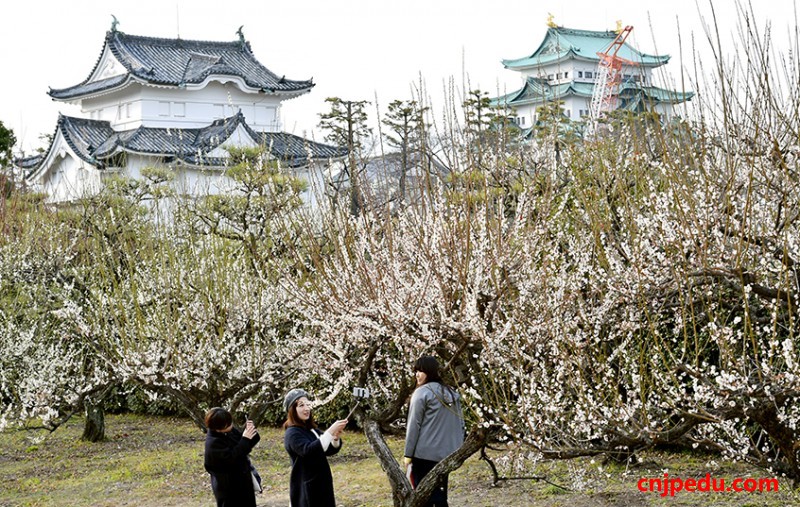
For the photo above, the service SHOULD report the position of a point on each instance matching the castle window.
(580, 73)
(179, 109)
(587, 75)
(163, 108)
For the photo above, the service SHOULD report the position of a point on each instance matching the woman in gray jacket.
(435, 426)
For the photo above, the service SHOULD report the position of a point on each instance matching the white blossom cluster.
(608, 297)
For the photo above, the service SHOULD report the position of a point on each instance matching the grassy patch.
(151, 461)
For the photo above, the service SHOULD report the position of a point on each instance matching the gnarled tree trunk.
(94, 430)
(403, 494)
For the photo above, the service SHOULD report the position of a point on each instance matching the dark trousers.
(419, 469)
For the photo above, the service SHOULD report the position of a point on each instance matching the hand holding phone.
(249, 430)
(359, 393)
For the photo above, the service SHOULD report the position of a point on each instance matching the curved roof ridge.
(98, 86)
(583, 31)
(72, 129)
(32, 170)
(177, 62)
(91, 73)
(173, 49)
(219, 131)
(559, 43)
(94, 141)
(124, 55)
(165, 40)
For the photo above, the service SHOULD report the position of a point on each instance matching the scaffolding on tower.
(609, 77)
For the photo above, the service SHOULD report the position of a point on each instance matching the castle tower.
(156, 101)
(565, 66)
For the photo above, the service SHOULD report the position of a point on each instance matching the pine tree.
(406, 120)
(7, 142)
(346, 124)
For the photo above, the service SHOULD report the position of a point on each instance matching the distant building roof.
(28, 163)
(179, 62)
(382, 174)
(94, 141)
(564, 43)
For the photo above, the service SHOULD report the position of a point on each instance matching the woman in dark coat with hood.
(226, 459)
(311, 483)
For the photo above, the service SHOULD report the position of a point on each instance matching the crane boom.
(609, 77)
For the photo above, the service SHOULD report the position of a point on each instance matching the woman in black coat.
(226, 459)
(311, 483)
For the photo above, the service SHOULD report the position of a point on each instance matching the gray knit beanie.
(292, 396)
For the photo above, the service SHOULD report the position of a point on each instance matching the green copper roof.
(537, 90)
(564, 43)
(654, 94)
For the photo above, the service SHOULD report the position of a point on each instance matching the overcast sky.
(354, 49)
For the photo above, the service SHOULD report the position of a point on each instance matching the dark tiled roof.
(95, 141)
(84, 136)
(29, 162)
(179, 62)
(297, 151)
(90, 88)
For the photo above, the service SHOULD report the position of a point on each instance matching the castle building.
(170, 102)
(565, 68)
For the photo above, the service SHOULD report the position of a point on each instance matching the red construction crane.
(609, 77)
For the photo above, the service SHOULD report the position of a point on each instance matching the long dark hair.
(292, 419)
